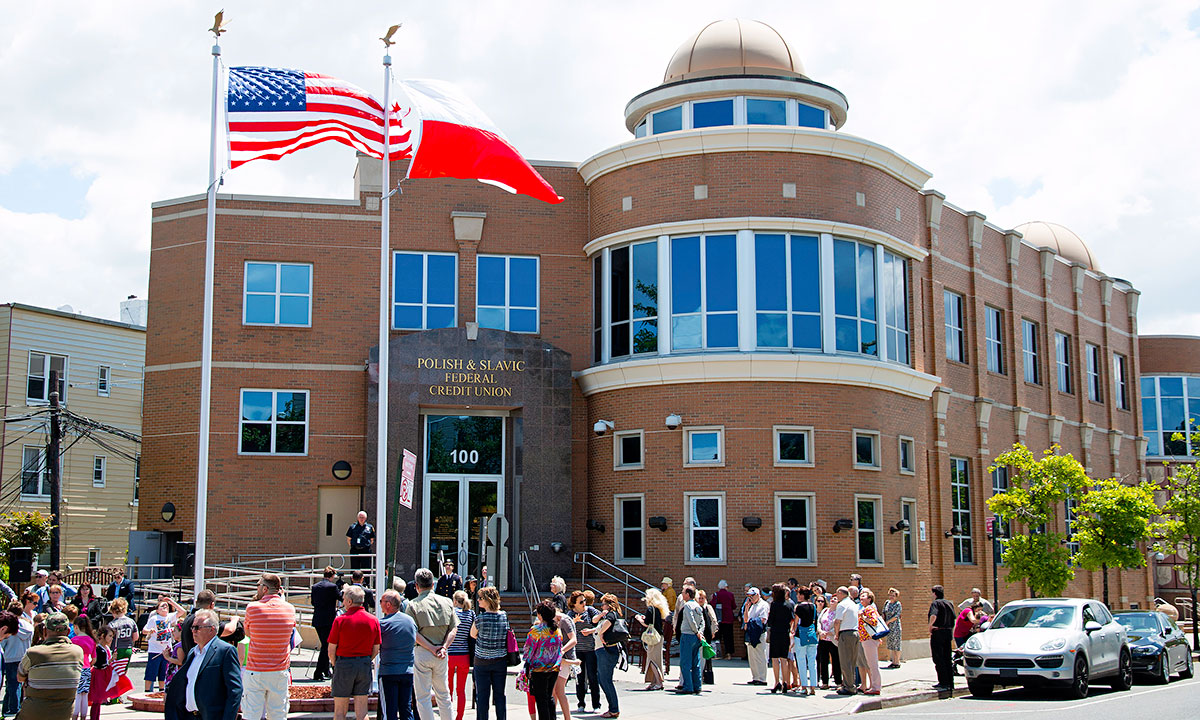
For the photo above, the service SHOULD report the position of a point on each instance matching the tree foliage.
(1112, 520)
(25, 529)
(1179, 532)
(1037, 486)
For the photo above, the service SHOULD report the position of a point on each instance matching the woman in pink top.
(83, 638)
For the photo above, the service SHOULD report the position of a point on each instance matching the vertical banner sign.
(408, 471)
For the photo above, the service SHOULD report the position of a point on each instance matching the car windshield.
(1035, 616)
(1140, 624)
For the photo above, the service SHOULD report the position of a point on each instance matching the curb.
(912, 698)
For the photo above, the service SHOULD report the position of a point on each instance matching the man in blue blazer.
(210, 681)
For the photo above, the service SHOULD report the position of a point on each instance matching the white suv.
(1049, 640)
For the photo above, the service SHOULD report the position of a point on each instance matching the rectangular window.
(35, 477)
(908, 513)
(894, 287)
(994, 339)
(630, 521)
(866, 449)
(93, 557)
(704, 446)
(1095, 389)
(424, 291)
(137, 478)
(1029, 352)
(102, 377)
(766, 112)
(712, 113)
(99, 471)
(908, 460)
(633, 307)
(274, 422)
(667, 120)
(787, 280)
(956, 344)
(277, 294)
(1003, 529)
(597, 309)
(1069, 526)
(1121, 382)
(793, 445)
(704, 292)
(793, 528)
(706, 528)
(809, 116)
(854, 297)
(1170, 405)
(866, 526)
(1062, 361)
(506, 293)
(37, 381)
(628, 448)
(960, 510)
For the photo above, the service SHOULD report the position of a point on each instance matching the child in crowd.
(174, 653)
(158, 639)
(83, 638)
(102, 670)
(126, 636)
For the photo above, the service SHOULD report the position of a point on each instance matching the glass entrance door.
(464, 463)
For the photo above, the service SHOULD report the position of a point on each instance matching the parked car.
(1071, 641)
(1159, 647)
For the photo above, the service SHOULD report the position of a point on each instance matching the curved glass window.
(738, 110)
(766, 112)
(704, 292)
(1171, 405)
(712, 113)
(809, 116)
(854, 297)
(667, 120)
(634, 300)
(787, 287)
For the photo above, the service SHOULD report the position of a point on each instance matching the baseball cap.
(42, 573)
(666, 581)
(57, 622)
(752, 590)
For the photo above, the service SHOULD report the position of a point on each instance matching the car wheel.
(980, 688)
(1163, 676)
(1079, 683)
(1123, 680)
(1186, 672)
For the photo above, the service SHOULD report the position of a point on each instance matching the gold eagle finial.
(387, 39)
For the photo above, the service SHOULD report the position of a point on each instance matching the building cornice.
(754, 139)
(757, 367)
(761, 224)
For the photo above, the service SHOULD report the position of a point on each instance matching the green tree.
(1178, 534)
(25, 529)
(1113, 520)
(1036, 487)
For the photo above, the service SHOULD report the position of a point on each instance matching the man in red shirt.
(269, 623)
(353, 644)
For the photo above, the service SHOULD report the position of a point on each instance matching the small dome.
(733, 47)
(1060, 240)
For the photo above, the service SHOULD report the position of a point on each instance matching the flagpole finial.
(387, 38)
(219, 24)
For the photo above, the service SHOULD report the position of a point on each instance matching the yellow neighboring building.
(102, 361)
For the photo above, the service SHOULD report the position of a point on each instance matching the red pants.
(460, 668)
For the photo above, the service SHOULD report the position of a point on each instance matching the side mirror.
(1092, 626)
(985, 626)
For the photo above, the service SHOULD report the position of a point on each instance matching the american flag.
(274, 111)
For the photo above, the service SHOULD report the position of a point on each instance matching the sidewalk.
(729, 698)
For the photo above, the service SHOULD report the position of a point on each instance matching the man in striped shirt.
(269, 623)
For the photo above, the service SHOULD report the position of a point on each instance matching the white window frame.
(619, 529)
(246, 292)
(689, 555)
(807, 432)
(46, 361)
(93, 557)
(791, 313)
(1063, 367)
(703, 313)
(43, 474)
(99, 471)
(687, 446)
(901, 441)
(964, 529)
(618, 459)
(993, 321)
(954, 304)
(275, 422)
(875, 450)
(1121, 381)
(507, 306)
(1070, 515)
(103, 380)
(1094, 359)
(810, 523)
(908, 535)
(424, 304)
(137, 477)
(1031, 358)
(877, 502)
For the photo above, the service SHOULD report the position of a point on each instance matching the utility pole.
(52, 465)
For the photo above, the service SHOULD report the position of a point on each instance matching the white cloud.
(1079, 114)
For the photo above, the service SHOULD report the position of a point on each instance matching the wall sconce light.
(594, 525)
(341, 470)
(168, 511)
(673, 421)
(902, 524)
(752, 523)
(556, 547)
(843, 524)
(954, 530)
(658, 521)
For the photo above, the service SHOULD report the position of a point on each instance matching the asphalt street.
(1180, 700)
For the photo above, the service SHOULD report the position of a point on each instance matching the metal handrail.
(528, 582)
(606, 568)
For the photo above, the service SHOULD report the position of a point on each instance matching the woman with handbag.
(652, 638)
(543, 657)
(612, 632)
(805, 642)
(494, 641)
(827, 649)
(871, 629)
(584, 616)
(710, 630)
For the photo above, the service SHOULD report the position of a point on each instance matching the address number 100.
(465, 457)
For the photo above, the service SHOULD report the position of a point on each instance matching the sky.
(1080, 113)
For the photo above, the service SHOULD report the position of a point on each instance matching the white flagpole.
(206, 341)
(382, 582)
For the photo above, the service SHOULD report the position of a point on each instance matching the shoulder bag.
(514, 652)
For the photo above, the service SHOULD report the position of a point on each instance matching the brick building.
(746, 346)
